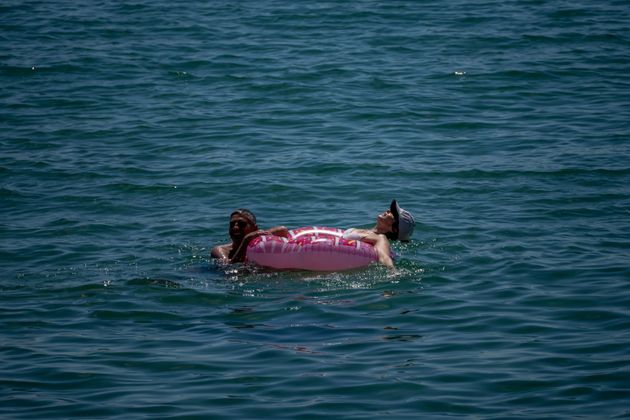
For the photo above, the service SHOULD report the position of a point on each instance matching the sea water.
(130, 130)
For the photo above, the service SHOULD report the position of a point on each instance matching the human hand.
(256, 234)
(281, 231)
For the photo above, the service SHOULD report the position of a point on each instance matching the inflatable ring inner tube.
(311, 248)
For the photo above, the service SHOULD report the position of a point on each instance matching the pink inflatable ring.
(311, 248)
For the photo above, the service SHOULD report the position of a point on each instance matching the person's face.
(240, 226)
(385, 221)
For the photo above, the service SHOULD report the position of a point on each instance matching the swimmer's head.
(245, 213)
(404, 222)
(242, 222)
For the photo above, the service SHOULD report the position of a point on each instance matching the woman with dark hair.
(243, 228)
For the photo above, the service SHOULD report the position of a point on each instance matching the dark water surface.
(129, 131)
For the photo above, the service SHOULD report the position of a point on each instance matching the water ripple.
(130, 131)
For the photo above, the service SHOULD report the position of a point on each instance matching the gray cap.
(405, 220)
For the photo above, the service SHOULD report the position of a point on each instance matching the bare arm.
(381, 245)
(239, 255)
(279, 231)
(221, 252)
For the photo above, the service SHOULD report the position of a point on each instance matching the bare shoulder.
(221, 251)
(369, 235)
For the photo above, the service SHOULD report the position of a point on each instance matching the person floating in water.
(393, 224)
(243, 228)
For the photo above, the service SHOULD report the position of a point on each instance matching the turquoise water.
(128, 133)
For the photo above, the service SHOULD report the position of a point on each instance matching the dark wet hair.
(393, 234)
(245, 212)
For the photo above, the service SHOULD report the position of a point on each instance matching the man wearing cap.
(243, 229)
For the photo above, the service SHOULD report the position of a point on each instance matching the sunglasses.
(240, 223)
